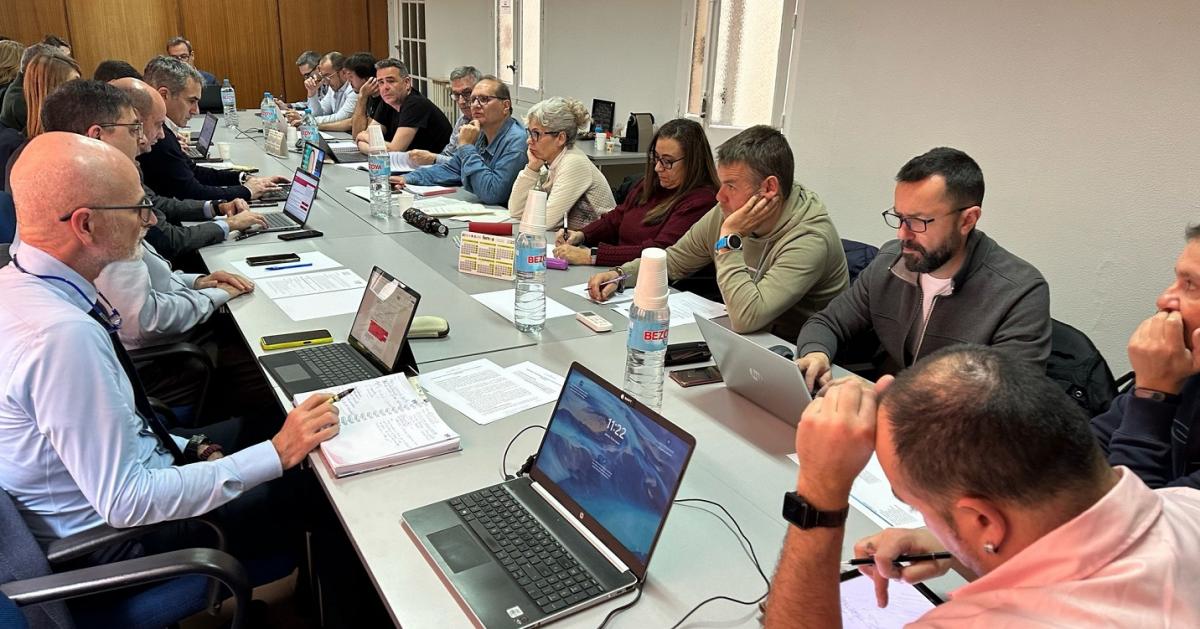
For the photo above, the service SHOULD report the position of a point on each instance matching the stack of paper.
(383, 423)
(485, 392)
(683, 308)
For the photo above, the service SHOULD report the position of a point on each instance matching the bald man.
(79, 445)
(170, 237)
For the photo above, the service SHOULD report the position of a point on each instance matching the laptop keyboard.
(533, 558)
(333, 364)
(277, 220)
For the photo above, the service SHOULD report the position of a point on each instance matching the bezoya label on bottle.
(648, 336)
(530, 260)
(379, 165)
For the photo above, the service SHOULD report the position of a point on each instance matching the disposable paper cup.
(185, 134)
(650, 292)
(404, 201)
(223, 149)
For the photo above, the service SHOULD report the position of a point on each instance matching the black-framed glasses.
(914, 224)
(483, 99)
(666, 162)
(137, 128)
(536, 135)
(145, 210)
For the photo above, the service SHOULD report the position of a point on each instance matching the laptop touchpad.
(459, 549)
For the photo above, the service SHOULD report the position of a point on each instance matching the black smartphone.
(300, 235)
(684, 353)
(695, 377)
(275, 259)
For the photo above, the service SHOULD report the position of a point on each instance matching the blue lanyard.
(111, 321)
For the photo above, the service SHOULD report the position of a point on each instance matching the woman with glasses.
(678, 189)
(577, 191)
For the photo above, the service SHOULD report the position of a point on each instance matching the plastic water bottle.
(529, 307)
(649, 325)
(267, 109)
(308, 130)
(229, 104)
(379, 168)
(600, 140)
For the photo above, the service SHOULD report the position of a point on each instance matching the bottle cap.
(533, 220)
(375, 133)
(650, 292)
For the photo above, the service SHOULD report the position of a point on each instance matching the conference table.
(741, 459)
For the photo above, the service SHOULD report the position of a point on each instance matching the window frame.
(522, 95)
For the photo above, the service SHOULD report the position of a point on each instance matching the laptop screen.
(300, 198)
(616, 460)
(312, 160)
(383, 318)
(206, 133)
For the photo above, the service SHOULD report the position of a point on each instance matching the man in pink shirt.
(1010, 480)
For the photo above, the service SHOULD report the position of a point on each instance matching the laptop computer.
(298, 205)
(756, 373)
(312, 159)
(204, 141)
(578, 530)
(378, 343)
(343, 156)
(210, 99)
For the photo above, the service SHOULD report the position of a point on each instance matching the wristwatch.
(732, 241)
(199, 448)
(594, 251)
(1157, 396)
(805, 516)
(243, 176)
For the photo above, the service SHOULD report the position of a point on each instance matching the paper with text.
(872, 496)
(617, 298)
(485, 392)
(683, 306)
(309, 283)
(318, 260)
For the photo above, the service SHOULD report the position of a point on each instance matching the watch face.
(735, 241)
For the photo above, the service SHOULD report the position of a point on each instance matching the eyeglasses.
(914, 224)
(483, 100)
(464, 95)
(145, 210)
(666, 162)
(182, 57)
(135, 128)
(536, 135)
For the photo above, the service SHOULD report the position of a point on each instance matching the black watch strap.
(799, 512)
(1157, 396)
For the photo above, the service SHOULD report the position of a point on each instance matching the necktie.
(140, 400)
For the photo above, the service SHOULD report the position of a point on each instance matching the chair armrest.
(172, 350)
(209, 562)
(91, 540)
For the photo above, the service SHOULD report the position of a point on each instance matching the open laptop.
(756, 373)
(210, 99)
(312, 159)
(594, 503)
(296, 208)
(378, 343)
(343, 156)
(204, 141)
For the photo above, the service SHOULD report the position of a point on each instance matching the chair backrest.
(1079, 368)
(858, 256)
(10, 141)
(22, 558)
(8, 218)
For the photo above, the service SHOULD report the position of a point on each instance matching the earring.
(989, 548)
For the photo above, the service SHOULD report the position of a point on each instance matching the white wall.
(1081, 113)
(459, 32)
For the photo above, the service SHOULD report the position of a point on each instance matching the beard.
(929, 261)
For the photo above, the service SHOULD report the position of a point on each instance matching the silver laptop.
(578, 530)
(298, 205)
(756, 373)
(204, 142)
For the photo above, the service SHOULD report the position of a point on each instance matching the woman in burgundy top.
(680, 187)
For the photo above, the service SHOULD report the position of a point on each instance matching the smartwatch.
(594, 252)
(732, 241)
(803, 515)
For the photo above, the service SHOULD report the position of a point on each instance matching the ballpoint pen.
(615, 280)
(289, 266)
(338, 397)
(910, 558)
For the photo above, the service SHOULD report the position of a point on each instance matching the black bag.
(858, 256)
(1079, 368)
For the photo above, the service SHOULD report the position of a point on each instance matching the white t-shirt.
(932, 287)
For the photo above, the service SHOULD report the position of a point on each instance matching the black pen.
(246, 234)
(866, 561)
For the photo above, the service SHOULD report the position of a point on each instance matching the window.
(519, 47)
(408, 16)
(740, 51)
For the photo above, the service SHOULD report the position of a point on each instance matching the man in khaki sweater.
(777, 254)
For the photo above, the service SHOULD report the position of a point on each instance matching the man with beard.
(940, 283)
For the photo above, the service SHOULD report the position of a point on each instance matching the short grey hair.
(462, 72)
(175, 41)
(308, 58)
(392, 62)
(36, 50)
(765, 151)
(171, 73)
(560, 115)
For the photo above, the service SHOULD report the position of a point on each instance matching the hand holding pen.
(916, 555)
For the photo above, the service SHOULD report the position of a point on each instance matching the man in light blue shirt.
(462, 83)
(331, 98)
(491, 149)
(75, 451)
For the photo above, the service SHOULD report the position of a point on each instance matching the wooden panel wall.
(253, 42)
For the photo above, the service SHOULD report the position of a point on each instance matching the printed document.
(309, 283)
(485, 392)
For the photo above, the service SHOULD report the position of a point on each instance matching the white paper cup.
(293, 134)
(404, 201)
(223, 150)
(185, 134)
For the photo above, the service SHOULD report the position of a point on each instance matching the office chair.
(152, 591)
(186, 356)
(8, 219)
